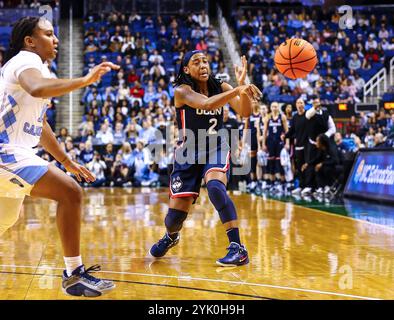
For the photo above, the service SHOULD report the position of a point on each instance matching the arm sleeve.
(331, 127)
(310, 113)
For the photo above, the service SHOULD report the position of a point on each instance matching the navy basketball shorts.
(186, 177)
(274, 148)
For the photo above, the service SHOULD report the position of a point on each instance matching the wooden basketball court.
(296, 252)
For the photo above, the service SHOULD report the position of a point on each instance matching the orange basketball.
(295, 58)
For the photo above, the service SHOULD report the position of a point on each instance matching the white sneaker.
(272, 189)
(253, 185)
(320, 191)
(306, 191)
(327, 190)
(297, 197)
(296, 191)
(318, 197)
(279, 189)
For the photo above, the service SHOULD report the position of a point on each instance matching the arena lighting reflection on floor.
(370, 211)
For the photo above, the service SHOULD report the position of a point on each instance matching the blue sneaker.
(236, 256)
(81, 283)
(160, 248)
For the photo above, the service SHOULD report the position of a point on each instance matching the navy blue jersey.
(275, 128)
(252, 122)
(196, 119)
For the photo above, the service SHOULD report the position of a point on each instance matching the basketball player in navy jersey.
(275, 126)
(199, 101)
(261, 171)
(251, 123)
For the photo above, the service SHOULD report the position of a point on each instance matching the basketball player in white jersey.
(25, 86)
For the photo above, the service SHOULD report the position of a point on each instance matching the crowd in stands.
(27, 4)
(348, 57)
(123, 157)
(124, 112)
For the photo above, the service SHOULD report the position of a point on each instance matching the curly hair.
(24, 27)
(214, 85)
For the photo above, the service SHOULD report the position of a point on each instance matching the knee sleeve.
(218, 195)
(174, 220)
(9, 212)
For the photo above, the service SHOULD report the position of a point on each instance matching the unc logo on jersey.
(32, 129)
(176, 184)
(209, 112)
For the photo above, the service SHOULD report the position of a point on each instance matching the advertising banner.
(372, 175)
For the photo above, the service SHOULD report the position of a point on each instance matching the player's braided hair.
(24, 27)
(214, 85)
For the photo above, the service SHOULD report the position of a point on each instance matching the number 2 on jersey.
(211, 129)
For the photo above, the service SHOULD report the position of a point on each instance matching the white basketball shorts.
(20, 169)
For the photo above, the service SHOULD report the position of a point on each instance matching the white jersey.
(21, 120)
(21, 115)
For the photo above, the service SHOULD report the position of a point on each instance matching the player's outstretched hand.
(79, 171)
(251, 90)
(240, 72)
(256, 93)
(98, 71)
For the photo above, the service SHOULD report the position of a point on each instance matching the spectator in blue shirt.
(86, 152)
(119, 136)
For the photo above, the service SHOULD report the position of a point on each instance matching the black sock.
(233, 235)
